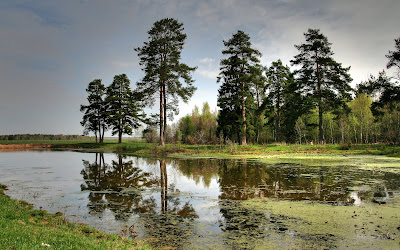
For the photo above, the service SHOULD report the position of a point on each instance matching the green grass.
(180, 150)
(22, 227)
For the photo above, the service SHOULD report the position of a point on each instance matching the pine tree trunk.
(278, 119)
(99, 126)
(321, 130)
(244, 142)
(102, 137)
(165, 114)
(120, 136)
(162, 142)
(164, 186)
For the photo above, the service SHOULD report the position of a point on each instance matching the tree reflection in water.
(172, 224)
(114, 186)
(168, 216)
(241, 180)
(117, 187)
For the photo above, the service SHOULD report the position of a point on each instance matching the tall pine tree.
(160, 58)
(279, 78)
(323, 80)
(95, 118)
(238, 74)
(123, 107)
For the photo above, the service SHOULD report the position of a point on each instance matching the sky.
(50, 50)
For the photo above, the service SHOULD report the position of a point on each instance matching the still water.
(187, 203)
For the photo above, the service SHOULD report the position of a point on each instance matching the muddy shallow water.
(213, 203)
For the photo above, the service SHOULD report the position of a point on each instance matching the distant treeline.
(20, 137)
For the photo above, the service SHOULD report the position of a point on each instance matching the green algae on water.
(319, 225)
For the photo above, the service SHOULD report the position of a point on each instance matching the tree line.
(311, 102)
(26, 137)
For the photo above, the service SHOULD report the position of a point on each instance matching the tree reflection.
(168, 215)
(240, 226)
(240, 181)
(171, 224)
(114, 186)
(199, 170)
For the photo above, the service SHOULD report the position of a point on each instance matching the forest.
(309, 102)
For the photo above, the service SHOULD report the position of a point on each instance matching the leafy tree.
(361, 109)
(123, 107)
(389, 122)
(386, 107)
(394, 57)
(208, 124)
(279, 77)
(199, 128)
(160, 58)
(382, 89)
(238, 74)
(95, 118)
(322, 79)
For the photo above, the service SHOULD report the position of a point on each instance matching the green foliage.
(123, 107)
(239, 74)
(323, 80)
(394, 57)
(312, 104)
(385, 108)
(280, 91)
(361, 110)
(389, 123)
(198, 128)
(160, 58)
(95, 118)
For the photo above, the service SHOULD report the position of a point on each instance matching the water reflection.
(115, 186)
(118, 186)
(243, 179)
(172, 224)
(148, 191)
(202, 202)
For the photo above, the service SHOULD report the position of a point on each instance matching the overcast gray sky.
(50, 50)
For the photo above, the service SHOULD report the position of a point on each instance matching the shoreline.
(200, 151)
(23, 227)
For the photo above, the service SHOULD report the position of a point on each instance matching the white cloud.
(210, 74)
(207, 60)
(208, 68)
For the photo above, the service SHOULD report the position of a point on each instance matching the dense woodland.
(310, 101)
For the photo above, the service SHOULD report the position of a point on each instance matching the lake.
(213, 203)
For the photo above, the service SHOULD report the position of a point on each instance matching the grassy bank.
(22, 227)
(225, 151)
